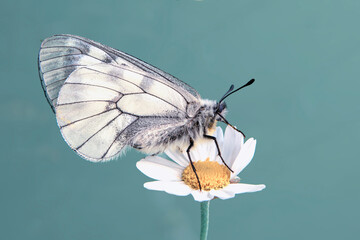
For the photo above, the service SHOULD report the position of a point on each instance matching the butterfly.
(106, 100)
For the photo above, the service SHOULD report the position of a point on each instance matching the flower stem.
(204, 206)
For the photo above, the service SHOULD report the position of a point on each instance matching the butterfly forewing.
(60, 55)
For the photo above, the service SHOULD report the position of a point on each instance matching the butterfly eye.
(221, 107)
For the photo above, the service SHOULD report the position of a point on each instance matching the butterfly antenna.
(230, 91)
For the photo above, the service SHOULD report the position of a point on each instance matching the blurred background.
(303, 109)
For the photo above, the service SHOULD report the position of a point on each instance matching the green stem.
(204, 206)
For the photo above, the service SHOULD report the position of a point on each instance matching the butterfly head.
(220, 109)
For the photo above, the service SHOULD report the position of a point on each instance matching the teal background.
(303, 109)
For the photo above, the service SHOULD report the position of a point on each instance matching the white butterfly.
(105, 100)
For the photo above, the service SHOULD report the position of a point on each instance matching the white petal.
(160, 168)
(244, 157)
(206, 148)
(196, 152)
(244, 188)
(233, 142)
(220, 140)
(201, 196)
(177, 156)
(175, 188)
(212, 150)
(222, 193)
(201, 150)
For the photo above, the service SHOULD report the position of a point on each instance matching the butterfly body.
(106, 100)
(176, 134)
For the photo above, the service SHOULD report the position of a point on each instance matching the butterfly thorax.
(204, 120)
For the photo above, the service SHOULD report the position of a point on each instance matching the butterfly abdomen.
(160, 137)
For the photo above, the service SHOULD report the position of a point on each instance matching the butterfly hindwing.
(99, 106)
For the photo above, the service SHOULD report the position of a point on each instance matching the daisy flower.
(177, 177)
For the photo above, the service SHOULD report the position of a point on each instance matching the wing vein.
(93, 85)
(107, 110)
(63, 79)
(86, 101)
(66, 55)
(117, 138)
(111, 75)
(98, 131)
(63, 47)
(152, 116)
(73, 65)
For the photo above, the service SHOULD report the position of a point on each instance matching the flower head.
(177, 177)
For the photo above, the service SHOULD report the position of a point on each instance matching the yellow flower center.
(212, 175)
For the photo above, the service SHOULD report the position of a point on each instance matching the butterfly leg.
(191, 162)
(218, 149)
(225, 121)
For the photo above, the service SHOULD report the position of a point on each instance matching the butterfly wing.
(60, 55)
(99, 106)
